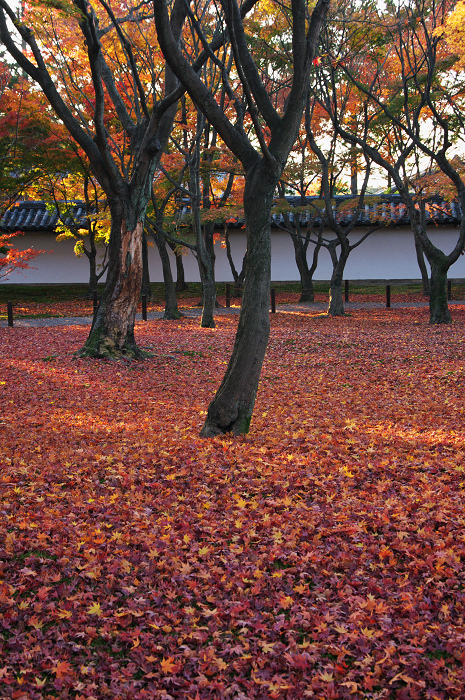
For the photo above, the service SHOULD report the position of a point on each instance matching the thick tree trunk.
(438, 305)
(231, 409)
(422, 265)
(112, 332)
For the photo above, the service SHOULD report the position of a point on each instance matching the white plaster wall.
(386, 254)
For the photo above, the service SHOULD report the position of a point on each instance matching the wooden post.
(346, 290)
(449, 290)
(9, 307)
(144, 307)
(388, 296)
(95, 302)
(273, 301)
(228, 296)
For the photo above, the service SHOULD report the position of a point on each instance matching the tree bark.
(208, 294)
(146, 289)
(93, 277)
(112, 332)
(422, 265)
(172, 312)
(204, 257)
(306, 273)
(336, 303)
(181, 284)
(231, 409)
(438, 304)
(237, 277)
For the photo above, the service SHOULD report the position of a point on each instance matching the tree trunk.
(208, 294)
(336, 303)
(112, 332)
(422, 265)
(146, 289)
(438, 305)
(306, 275)
(206, 260)
(181, 284)
(231, 409)
(93, 277)
(237, 277)
(172, 312)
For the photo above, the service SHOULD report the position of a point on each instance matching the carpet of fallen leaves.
(83, 306)
(322, 556)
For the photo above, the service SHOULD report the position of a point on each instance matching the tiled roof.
(384, 209)
(379, 209)
(34, 216)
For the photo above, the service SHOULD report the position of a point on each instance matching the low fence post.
(449, 290)
(388, 296)
(95, 302)
(9, 307)
(228, 296)
(346, 290)
(273, 301)
(144, 307)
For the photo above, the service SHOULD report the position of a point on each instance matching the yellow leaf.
(327, 677)
(95, 609)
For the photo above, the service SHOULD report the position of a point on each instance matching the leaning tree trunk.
(422, 265)
(231, 409)
(438, 304)
(112, 332)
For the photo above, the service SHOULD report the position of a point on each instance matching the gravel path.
(196, 312)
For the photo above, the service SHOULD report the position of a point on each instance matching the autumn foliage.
(11, 258)
(322, 556)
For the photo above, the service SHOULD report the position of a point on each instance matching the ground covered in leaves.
(79, 305)
(322, 556)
